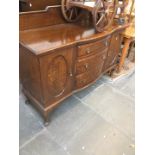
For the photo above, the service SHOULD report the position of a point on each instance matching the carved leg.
(46, 122)
(124, 53)
(110, 73)
(27, 101)
(133, 60)
(133, 44)
(46, 119)
(130, 48)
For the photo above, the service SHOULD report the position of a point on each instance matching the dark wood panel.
(57, 75)
(33, 5)
(113, 51)
(48, 17)
(30, 73)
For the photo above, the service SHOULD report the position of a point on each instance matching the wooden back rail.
(36, 19)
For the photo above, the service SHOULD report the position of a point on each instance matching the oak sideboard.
(58, 59)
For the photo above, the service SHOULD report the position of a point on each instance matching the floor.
(96, 121)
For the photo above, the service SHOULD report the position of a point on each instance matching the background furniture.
(128, 35)
(102, 11)
(58, 59)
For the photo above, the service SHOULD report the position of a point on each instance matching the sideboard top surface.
(42, 40)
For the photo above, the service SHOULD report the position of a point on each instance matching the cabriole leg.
(27, 101)
(46, 119)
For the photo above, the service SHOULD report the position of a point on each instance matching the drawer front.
(89, 63)
(88, 49)
(84, 79)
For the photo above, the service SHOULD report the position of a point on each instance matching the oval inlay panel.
(57, 76)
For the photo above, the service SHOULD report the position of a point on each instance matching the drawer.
(89, 63)
(84, 79)
(94, 47)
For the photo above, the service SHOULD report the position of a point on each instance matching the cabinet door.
(114, 48)
(57, 75)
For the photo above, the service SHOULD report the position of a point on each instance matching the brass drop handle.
(70, 74)
(116, 38)
(86, 66)
(88, 50)
(30, 4)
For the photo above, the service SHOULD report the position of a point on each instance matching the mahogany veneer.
(58, 59)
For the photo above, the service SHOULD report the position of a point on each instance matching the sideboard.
(58, 59)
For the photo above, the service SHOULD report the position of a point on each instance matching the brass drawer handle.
(88, 51)
(70, 74)
(86, 66)
(116, 38)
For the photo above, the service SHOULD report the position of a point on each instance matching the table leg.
(133, 43)
(124, 53)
